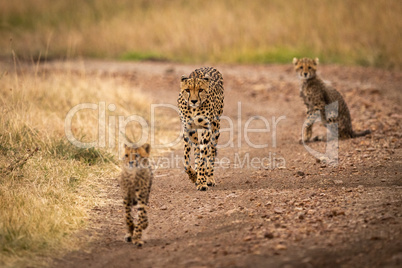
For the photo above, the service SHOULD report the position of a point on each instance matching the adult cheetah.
(200, 104)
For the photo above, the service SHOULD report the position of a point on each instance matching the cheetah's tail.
(361, 133)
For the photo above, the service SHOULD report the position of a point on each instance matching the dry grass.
(47, 185)
(349, 32)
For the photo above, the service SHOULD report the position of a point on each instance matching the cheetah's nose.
(194, 101)
(131, 163)
(305, 74)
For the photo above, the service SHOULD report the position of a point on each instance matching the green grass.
(142, 56)
(276, 55)
(63, 149)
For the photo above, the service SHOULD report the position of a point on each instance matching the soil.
(277, 206)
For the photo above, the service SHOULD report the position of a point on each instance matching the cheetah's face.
(136, 156)
(194, 90)
(305, 68)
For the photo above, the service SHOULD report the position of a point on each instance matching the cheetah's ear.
(146, 147)
(316, 61)
(207, 78)
(295, 61)
(125, 146)
(183, 78)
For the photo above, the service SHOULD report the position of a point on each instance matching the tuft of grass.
(258, 31)
(91, 156)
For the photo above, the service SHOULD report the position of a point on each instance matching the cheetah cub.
(323, 100)
(135, 182)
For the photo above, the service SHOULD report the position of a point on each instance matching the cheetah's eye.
(126, 155)
(301, 67)
(309, 67)
(201, 90)
(187, 90)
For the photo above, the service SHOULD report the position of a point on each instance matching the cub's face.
(305, 68)
(135, 156)
(194, 90)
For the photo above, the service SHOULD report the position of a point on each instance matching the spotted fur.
(323, 101)
(135, 182)
(201, 105)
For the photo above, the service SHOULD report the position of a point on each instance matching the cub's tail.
(361, 133)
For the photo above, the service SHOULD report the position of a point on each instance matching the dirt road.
(275, 206)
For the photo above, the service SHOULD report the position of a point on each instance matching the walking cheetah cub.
(135, 182)
(323, 100)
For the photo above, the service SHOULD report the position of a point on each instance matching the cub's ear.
(316, 61)
(207, 78)
(125, 146)
(183, 78)
(146, 147)
(295, 61)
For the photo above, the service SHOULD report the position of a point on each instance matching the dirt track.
(298, 212)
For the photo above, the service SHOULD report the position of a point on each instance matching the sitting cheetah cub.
(323, 100)
(135, 182)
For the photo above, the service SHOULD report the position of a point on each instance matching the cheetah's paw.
(202, 187)
(211, 182)
(128, 238)
(192, 175)
(319, 138)
(304, 141)
(138, 243)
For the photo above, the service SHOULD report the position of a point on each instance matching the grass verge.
(47, 184)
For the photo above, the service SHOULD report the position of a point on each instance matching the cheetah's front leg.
(140, 226)
(308, 125)
(332, 121)
(129, 219)
(214, 143)
(205, 158)
(192, 174)
(196, 151)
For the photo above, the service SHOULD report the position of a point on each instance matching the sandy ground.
(276, 206)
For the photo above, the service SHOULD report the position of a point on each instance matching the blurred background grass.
(357, 32)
